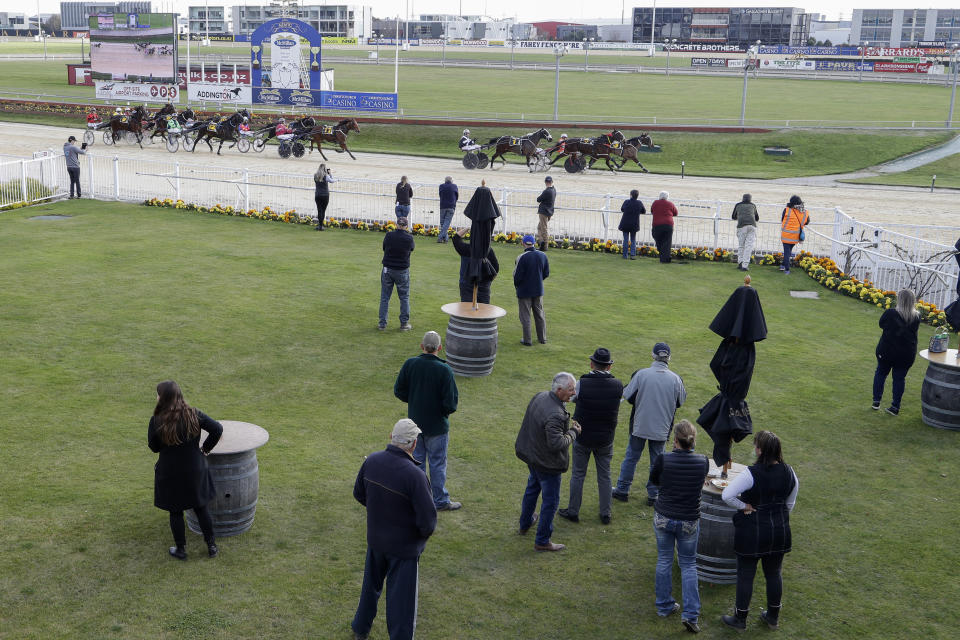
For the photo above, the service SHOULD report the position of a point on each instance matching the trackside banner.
(210, 92)
(341, 100)
(795, 65)
(136, 91)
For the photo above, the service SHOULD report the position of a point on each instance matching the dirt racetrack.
(885, 205)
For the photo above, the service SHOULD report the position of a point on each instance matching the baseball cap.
(548, 179)
(527, 239)
(402, 222)
(72, 139)
(405, 429)
(661, 349)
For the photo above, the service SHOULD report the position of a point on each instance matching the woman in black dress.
(897, 348)
(181, 476)
(764, 496)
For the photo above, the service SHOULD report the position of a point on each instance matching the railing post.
(605, 216)
(177, 173)
(246, 190)
(116, 177)
(503, 207)
(716, 226)
(90, 191)
(23, 180)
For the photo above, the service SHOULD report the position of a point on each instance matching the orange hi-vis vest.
(794, 221)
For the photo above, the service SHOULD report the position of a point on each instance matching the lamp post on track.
(863, 52)
(586, 52)
(953, 92)
(559, 51)
(513, 43)
(443, 58)
(376, 37)
(668, 45)
(753, 56)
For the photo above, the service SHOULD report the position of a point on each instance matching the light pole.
(376, 37)
(443, 56)
(746, 71)
(586, 52)
(863, 52)
(953, 92)
(668, 44)
(40, 32)
(513, 43)
(559, 51)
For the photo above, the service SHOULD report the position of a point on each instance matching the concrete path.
(899, 165)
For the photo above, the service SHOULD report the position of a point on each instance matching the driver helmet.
(466, 132)
(283, 121)
(118, 111)
(563, 136)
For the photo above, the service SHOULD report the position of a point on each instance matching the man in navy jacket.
(531, 270)
(449, 194)
(400, 518)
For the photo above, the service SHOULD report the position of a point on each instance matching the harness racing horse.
(596, 148)
(630, 150)
(525, 146)
(260, 136)
(182, 118)
(132, 123)
(223, 128)
(161, 116)
(336, 134)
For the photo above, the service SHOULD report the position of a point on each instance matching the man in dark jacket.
(531, 270)
(427, 385)
(545, 435)
(449, 194)
(400, 518)
(598, 405)
(404, 195)
(483, 286)
(546, 201)
(397, 247)
(72, 153)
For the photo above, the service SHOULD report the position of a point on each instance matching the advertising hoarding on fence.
(414, 42)
(708, 62)
(213, 37)
(136, 91)
(340, 40)
(900, 67)
(805, 51)
(342, 100)
(911, 52)
(710, 48)
(210, 76)
(212, 92)
(133, 47)
(843, 65)
(792, 65)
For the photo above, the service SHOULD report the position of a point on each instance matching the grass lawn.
(947, 171)
(276, 324)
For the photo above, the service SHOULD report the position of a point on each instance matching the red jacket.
(663, 212)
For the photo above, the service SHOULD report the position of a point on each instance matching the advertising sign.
(890, 52)
(342, 100)
(133, 47)
(210, 76)
(843, 65)
(284, 61)
(210, 92)
(900, 67)
(909, 59)
(136, 91)
(213, 37)
(431, 42)
(340, 40)
(793, 65)
(475, 43)
(714, 48)
(285, 69)
(414, 42)
(708, 62)
(806, 51)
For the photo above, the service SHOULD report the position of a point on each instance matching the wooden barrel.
(716, 561)
(471, 342)
(940, 394)
(236, 479)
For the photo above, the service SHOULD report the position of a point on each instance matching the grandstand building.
(75, 16)
(905, 27)
(331, 20)
(733, 29)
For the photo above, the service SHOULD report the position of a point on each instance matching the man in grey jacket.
(745, 213)
(545, 436)
(71, 153)
(656, 393)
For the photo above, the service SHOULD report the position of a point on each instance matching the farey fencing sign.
(210, 92)
(793, 65)
(142, 92)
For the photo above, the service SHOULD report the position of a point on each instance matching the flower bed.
(823, 270)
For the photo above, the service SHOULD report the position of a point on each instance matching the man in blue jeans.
(404, 194)
(656, 393)
(676, 522)
(426, 384)
(397, 247)
(449, 194)
(544, 439)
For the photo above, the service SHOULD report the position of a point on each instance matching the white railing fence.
(914, 256)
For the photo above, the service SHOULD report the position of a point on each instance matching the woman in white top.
(764, 495)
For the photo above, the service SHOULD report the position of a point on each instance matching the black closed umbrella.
(953, 309)
(483, 212)
(726, 416)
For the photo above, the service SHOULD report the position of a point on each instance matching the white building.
(454, 27)
(13, 20)
(331, 20)
(207, 18)
(905, 27)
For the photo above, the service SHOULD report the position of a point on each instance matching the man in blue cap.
(655, 393)
(531, 269)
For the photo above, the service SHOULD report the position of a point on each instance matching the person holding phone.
(71, 153)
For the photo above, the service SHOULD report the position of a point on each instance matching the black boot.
(738, 621)
(178, 552)
(212, 549)
(771, 616)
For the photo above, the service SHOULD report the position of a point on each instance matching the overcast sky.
(531, 10)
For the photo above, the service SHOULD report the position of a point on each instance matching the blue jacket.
(449, 194)
(531, 270)
(631, 210)
(400, 511)
(397, 247)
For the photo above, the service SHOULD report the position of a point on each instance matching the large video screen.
(133, 47)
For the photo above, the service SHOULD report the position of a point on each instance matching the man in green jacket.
(426, 384)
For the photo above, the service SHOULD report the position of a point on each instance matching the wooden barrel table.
(716, 561)
(940, 394)
(236, 478)
(472, 336)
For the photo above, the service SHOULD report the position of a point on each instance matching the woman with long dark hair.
(764, 495)
(897, 348)
(321, 192)
(631, 209)
(181, 476)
